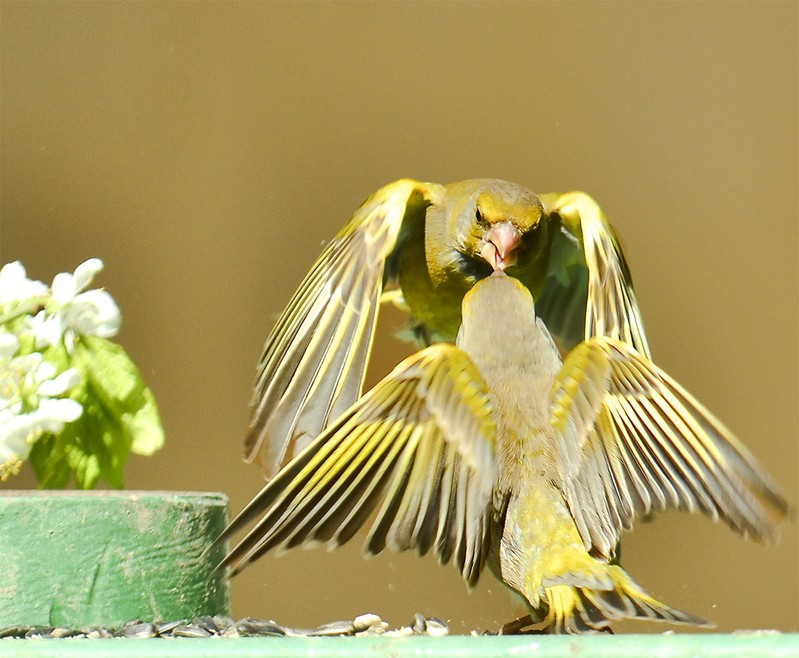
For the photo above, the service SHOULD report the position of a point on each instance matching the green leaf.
(90, 447)
(120, 390)
(49, 463)
(95, 446)
(119, 416)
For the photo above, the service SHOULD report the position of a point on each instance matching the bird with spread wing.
(422, 246)
(495, 451)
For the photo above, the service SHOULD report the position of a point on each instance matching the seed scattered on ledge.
(223, 626)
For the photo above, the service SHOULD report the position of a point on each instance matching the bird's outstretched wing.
(420, 444)
(589, 290)
(631, 441)
(313, 363)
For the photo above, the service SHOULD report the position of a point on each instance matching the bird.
(495, 451)
(421, 246)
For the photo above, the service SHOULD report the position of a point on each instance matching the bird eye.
(479, 216)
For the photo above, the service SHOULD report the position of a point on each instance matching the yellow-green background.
(205, 151)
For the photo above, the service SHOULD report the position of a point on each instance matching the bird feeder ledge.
(774, 645)
(85, 559)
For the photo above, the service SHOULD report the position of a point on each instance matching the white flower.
(94, 313)
(9, 344)
(72, 311)
(50, 388)
(29, 402)
(47, 329)
(16, 286)
(14, 446)
(19, 431)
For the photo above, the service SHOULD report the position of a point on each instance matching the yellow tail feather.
(575, 609)
(581, 609)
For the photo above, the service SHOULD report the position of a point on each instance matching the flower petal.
(52, 414)
(14, 432)
(15, 284)
(47, 329)
(9, 344)
(54, 387)
(95, 313)
(64, 288)
(85, 272)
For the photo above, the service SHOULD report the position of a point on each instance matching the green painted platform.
(771, 645)
(77, 559)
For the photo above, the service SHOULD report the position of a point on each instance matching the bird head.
(503, 215)
(494, 223)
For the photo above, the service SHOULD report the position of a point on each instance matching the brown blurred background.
(205, 151)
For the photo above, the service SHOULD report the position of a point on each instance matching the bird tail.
(580, 609)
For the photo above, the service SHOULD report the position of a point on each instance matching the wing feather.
(633, 441)
(588, 277)
(419, 448)
(314, 360)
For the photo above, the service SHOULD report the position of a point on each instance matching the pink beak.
(498, 243)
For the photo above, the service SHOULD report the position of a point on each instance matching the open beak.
(499, 243)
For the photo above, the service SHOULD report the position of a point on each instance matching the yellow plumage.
(492, 451)
(423, 246)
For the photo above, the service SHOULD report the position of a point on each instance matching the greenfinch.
(494, 451)
(422, 246)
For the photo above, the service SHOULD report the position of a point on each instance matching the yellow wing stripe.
(645, 444)
(611, 307)
(430, 480)
(314, 360)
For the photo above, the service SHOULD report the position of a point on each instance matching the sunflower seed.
(140, 629)
(207, 623)
(250, 627)
(419, 623)
(190, 630)
(97, 633)
(333, 629)
(39, 631)
(13, 631)
(223, 622)
(224, 626)
(368, 621)
(436, 627)
(166, 628)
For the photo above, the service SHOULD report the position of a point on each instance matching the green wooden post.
(102, 558)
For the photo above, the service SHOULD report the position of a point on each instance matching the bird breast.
(520, 389)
